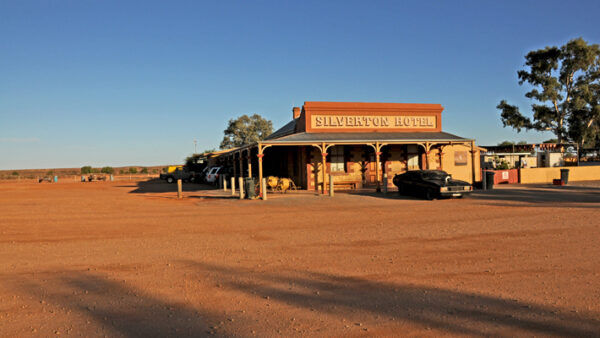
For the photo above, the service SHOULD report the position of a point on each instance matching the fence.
(546, 175)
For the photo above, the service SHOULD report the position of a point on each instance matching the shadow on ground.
(450, 311)
(540, 195)
(157, 185)
(124, 310)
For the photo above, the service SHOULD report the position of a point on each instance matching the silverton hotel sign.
(364, 117)
(373, 121)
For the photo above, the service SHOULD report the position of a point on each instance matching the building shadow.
(543, 196)
(447, 310)
(124, 310)
(157, 186)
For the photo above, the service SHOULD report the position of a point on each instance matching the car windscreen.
(434, 175)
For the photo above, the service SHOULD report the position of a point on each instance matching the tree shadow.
(125, 310)
(447, 310)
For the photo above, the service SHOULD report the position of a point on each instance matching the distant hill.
(35, 173)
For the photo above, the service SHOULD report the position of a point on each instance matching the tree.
(86, 169)
(505, 144)
(245, 130)
(144, 170)
(565, 85)
(132, 170)
(107, 170)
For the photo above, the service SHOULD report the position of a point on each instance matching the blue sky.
(135, 82)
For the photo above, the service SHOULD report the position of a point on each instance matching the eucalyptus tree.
(565, 89)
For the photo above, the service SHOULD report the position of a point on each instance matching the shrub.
(144, 170)
(86, 169)
(107, 170)
(155, 171)
(133, 170)
(121, 171)
(15, 173)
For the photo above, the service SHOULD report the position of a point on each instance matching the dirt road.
(128, 259)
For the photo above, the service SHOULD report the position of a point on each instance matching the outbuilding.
(357, 144)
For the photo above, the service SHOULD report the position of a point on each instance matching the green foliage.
(50, 173)
(144, 170)
(502, 166)
(132, 170)
(246, 130)
(164, 169)
(15, 173)
(552, 140)
(107, 170)
(505, 144)
(121, 171)
(565, 84)
(86, 169)
(155, 171)
(196, 162)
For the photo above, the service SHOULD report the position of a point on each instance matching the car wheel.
(170, 179)
(429, 194)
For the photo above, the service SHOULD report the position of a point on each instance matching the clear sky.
(111, 83)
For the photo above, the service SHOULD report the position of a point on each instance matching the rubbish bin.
(489, 180)
(249, 187)
(564, 175)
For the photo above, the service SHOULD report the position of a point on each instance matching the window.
(413, 157)
(337, 159)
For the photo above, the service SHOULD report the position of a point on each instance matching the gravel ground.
(127, 259)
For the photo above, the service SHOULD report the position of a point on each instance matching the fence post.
(233, 186)
(263, 188)
(179, 188)
(330, 185)
(224, 183)
(385, 183)
(241, 183)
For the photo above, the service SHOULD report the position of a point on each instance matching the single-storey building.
(357, 144)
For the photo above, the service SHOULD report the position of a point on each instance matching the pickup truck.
(178, 174)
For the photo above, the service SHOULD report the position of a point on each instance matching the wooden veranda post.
(324, 166)
(241, 163)
(233, 165)
(260, 155)
(249, 163)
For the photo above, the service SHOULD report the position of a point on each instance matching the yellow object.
(284, 184)
(173, 168)
(272, 182)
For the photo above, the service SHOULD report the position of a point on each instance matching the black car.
(430, 184)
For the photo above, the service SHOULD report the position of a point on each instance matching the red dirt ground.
(128, 259)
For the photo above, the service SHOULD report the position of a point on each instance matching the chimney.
(296, 112)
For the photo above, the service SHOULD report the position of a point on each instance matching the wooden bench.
(349, 184)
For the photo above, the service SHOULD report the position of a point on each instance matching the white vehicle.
(212, 175)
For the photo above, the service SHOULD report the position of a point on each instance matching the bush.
(133, 170)
(86, 169)
(155, 171)
(50, 173)
(121, 171)
(107, 170)
(15, 173)
(144, 170)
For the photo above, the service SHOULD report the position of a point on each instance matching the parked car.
(431, 184)
(178, 174)
(212, 175)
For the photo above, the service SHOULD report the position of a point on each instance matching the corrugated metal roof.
(283, 131)
(362, 137)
